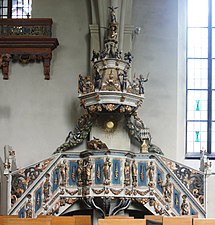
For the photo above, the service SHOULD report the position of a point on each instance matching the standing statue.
(87, 171)
(81, 84)
(79, 173)
(29, 207)
(184, 206)
(112, 14)
(151, 172)
(141, 81)
(167, 189)
(46, 188)
(97, 80)
(63, 173)
(106, 170)
(127, 173)
(134, 173)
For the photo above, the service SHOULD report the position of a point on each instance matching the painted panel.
(141, 174)
(55, 180)
(99, 171)
(159, 180)
(38, 199)
(116, 176)
(176, 200)
(21, 212)
(72, 173)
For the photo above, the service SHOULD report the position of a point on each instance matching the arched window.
(200, 77)
(15, 8)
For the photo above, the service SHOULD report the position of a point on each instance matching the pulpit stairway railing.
(94, 177)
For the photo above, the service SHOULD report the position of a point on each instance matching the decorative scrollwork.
(192, 180)
(79, 135)
(23, 179)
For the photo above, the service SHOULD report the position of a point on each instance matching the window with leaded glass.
(200, 77)
(15, 8)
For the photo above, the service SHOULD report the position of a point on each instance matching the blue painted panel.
(55, 179)
(176, 200)
(21, 213)
(72, 173)
(159, 177)
(141, 174)
(192, 211)
(99, 171)
(116, 172)
(38, 199)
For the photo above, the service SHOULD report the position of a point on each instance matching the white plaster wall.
(155, 51)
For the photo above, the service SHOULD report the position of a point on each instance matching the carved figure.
(95, 56)
(46, 188)
(81, 84)
(106, 170)
(87, 171)
(80, 173)
(97, 80)
(29, 207)
(112, 14)
(63, 173)
(141, 81)
(167, 189)
(89, 85)
(111, 84)
(184, 206)
(128, 56)
(134, 173)
(127, 173)
(151, 172)
(96, 144)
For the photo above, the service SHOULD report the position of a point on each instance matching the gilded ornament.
(185, 206)
(116, 192)
(106, 170)
(151, 172)
(98, 191)
(127, 173)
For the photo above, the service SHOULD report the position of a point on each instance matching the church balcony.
(26, 41)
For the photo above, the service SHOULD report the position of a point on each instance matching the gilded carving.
(116, 192)
(47, 188)
(128, 192)
(151, 172)
(87, 171)
(142, 193)
(167, 189)
(106, 170)
(29, 207)
(96, 144)
(98, 191)
(185, 206)
(134, 173)
(72, 192)
(63, 173)
(127, 173)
